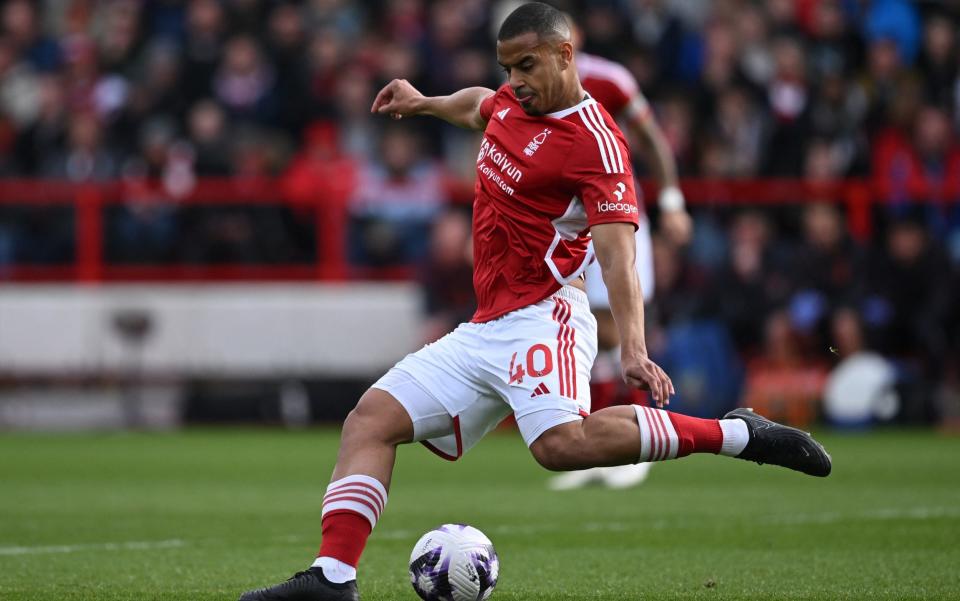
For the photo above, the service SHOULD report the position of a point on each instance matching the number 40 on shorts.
(534, 353)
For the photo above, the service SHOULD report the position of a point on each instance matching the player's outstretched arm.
(400, 99)
(616, 249)
(674, 219)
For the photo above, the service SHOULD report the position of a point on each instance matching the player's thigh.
(378, 415)
(548, 377)
(555, 443)
(437, 383)
(449, 426)
(427, 416)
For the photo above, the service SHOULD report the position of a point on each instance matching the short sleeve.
(609, 198)
(602, 175)
(486, 107)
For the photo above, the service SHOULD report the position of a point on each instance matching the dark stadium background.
(161, 147)
(209, 248)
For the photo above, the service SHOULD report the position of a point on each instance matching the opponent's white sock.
(335, 570)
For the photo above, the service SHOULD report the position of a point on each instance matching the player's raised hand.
(641, 372)
(398, 99)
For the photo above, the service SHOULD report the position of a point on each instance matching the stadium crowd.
(159, 93)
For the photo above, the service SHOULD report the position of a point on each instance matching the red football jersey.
(610, 84)
(541, 183)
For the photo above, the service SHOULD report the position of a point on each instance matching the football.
(454, 562)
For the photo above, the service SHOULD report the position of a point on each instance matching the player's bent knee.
(378, 416)
(558, 449)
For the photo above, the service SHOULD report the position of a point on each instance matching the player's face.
(534, 70)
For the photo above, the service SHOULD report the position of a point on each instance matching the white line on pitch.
(127, 546)
(913, 513)
(880, 515)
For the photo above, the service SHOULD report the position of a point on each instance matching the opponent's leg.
(629, 434)
(355, 498)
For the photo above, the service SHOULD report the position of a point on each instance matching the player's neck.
(574, 95)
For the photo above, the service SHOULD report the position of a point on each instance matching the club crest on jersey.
(536, 142)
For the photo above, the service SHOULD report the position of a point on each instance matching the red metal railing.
(90, 200)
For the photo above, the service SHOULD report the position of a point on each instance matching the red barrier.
(89, 201)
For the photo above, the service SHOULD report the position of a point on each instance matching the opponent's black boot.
(777, 444)
(309, 585)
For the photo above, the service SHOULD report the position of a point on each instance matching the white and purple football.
(454, 562)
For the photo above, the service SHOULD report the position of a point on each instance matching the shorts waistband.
(573, 294)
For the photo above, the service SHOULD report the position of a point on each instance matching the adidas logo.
(503, 114)
(540, 389)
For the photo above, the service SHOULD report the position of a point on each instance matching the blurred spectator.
(22, 26)
(325, 70)
(207, 125)
(675, 115)
(920, 165)
(19, 86)
(756, 59)
(784, 383)
(908, 300)
(156, 90)
(321, 171)
(399, 194)
(205, 31)
(826, 268)
(861, 388)
(86, 157)
(835, 46)
(447, 275)
(754, 280)
(354, 96)
(740, 129)
(897, 22)
(244, 83)
(720, 65)
(46, 135)
(789, 97)
(119, 38)
(682, 288)
(286, 46)
(939, 61)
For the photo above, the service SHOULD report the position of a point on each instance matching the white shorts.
(534, 362)
(597, 290)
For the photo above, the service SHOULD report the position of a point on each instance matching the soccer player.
(617, 91)
(552, 168)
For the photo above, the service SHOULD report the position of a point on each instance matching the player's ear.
(566, 54)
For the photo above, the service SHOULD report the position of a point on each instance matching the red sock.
(344, 537)
(696, 435)
(351, 508)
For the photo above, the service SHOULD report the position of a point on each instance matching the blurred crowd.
(160, 93)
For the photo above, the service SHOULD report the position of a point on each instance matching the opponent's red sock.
(668, 435)
(351, 508)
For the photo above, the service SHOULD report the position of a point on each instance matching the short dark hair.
(537, 17)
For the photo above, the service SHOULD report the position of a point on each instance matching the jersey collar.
(587, 101)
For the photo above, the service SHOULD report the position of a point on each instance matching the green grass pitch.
(203, 515)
